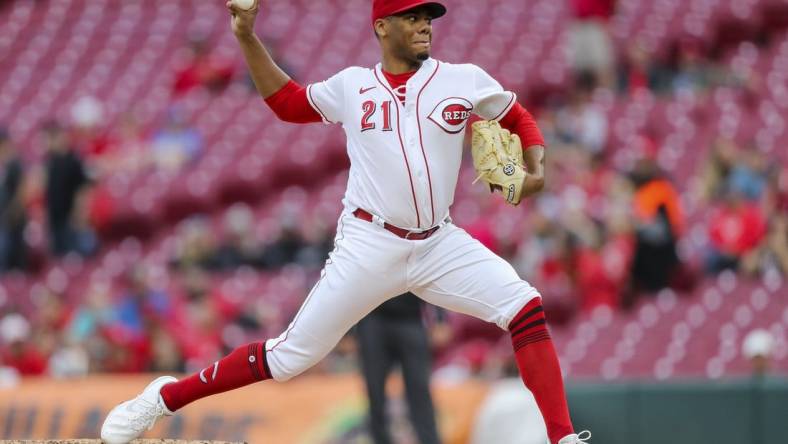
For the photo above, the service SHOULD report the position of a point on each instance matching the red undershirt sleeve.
(290, 104)
(519, 121)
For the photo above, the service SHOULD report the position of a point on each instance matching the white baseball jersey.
(405, 159)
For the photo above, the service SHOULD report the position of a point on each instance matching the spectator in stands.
(52, 312)
(194, 245)
(100, 147)
(87, 127)
(692, 69)
(19, 351)
(748, 174)
(140, 303)
(590, 44)
(68, 360)
(176, 144)
(547, 256)
(318, 242)
(13, 217)
(778, 191)
(166, 354)
(601, 269)
(90, 318)
(198, 319)
(659, 222)
(233, 317)
(581, 123)
(93, 313)
(284, 249)
(717, 168)
(126, 343)
(66, 177)
(772, 253)
(86, 241)
(124, 351)
(129, 150)
(201, 68)
(736, 228)
(239, 246)
(639, 71)
(123, 148)
(537, 245)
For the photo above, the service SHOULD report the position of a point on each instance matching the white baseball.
(244, 4)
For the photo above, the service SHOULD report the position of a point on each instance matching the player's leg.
(359, 275)
(414, 354)
(362, 272)
(376, 364)
(457, 272)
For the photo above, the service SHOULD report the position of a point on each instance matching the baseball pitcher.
(405, 121)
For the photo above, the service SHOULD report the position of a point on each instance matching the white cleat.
(132, 418)
(579, 438)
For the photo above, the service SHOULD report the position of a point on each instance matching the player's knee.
(284, 377)
(286, 372)
(526, 304)
(286, 367)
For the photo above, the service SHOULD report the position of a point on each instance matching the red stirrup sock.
(247, 364)
(539, 368)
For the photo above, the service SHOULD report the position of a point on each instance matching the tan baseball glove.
(498, 158)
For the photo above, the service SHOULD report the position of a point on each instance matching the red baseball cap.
(385, 8)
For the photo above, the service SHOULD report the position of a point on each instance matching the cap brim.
(436, 9)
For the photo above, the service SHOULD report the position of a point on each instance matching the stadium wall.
(752, 411)
(319, 409)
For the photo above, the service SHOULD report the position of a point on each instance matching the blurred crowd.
(146, 321)
(58, 181)
(602, 234)
(606, 234)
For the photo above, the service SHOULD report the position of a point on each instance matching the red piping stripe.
(314, 105)
(306, 301)
(309, 296)
(421, 141)
(402, 145)
(506, 108)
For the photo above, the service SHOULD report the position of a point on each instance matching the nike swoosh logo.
(363, 90)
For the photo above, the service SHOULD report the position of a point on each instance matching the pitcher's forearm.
(534, 168)
(267, 76)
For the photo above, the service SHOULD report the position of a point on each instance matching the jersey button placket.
(421, 174)
(406, 132)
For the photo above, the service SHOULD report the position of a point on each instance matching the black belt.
(401, 232)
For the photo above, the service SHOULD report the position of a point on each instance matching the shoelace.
(145, 419)
(583, 436)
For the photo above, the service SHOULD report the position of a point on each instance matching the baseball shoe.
(132, 418)
(579, 438)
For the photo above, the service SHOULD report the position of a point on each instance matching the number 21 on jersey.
(368, 118)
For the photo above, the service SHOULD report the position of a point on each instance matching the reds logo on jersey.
(452, 114)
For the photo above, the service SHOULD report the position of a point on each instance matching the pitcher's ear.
(381, 28)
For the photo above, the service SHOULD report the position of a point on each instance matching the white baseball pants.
(370, 265)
